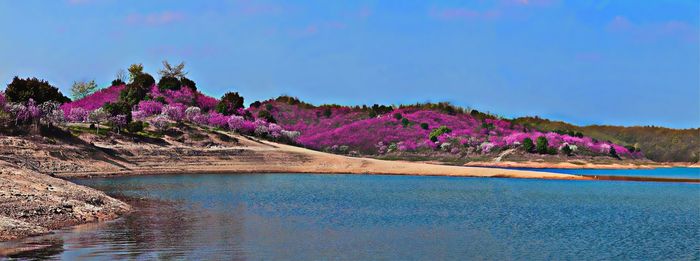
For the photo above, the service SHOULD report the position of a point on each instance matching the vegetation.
(82, 88)
(230, 103)
(21, 90)
(528, 145)
(657, 143)
(542, 145)
(434, 134)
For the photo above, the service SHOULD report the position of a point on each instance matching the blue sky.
(586, 62)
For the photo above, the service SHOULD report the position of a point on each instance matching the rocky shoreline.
(32, 203)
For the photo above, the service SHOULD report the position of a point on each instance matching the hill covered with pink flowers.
(440, 130)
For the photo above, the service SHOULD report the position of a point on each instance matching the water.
(685, 173)
(363, 217)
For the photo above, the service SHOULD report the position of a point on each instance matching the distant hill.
(429, 132)
(657, 143)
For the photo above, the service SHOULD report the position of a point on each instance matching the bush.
(424, 126)
(437, 132)
(118, 108)
(405, 122)
(267, 116)
(613, 153)
(117, 82)
(169, 83)
(135, 126)
(255, 104)
(138, 89)
(189, 83)
(566, 150)
(230, 103)
(397, 116)
(542, 145)
(327, 112)
(528, 145)
(21, 90)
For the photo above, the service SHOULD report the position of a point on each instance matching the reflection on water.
(302, 217)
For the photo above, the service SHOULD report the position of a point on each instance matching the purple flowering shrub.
(94, 100)
(330, 128)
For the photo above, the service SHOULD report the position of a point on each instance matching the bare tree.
(177, 71)
(121, 75)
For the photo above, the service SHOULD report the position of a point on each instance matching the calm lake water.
(686, 173)
(363, 217)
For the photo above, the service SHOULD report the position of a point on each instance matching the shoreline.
(579, 165)
(37, 169)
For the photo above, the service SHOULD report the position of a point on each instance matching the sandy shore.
(572, 165)
(33, 202)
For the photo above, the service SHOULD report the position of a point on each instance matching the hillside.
(431, 132)
(658, 143)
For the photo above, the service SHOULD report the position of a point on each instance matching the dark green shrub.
(117, 82)
(405, 122)
(189, 83)
(118, 108)
(424, 126)
(137, 90)
(397, 116)
(566, 150)
(135, 126)
(613, 153)
(439, 131)
(327, 112)
(528, 145)
(169, 83)
(265, 114)
(230, 103)
(269, 107)
(552, 151)
(21, 90)
(542, 145)
(255, 104)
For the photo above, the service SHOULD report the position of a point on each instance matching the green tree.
(435, 133)
(613, 153)
(230, 103)
(189, 83)
(528, 145)
(265, 114)
(134, 71)
(542, 145)
(169, 83)
(424, 126)
(82, 88)
(21, 90)
(137, 90)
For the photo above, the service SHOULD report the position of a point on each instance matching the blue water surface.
(677, 172)
(368, 217)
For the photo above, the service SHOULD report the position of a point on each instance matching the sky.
(622, 62)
